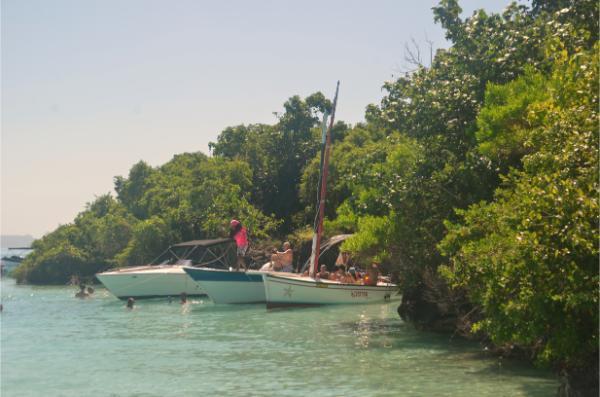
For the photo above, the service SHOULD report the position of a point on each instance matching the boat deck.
(146, 269)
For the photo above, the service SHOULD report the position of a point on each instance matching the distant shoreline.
(15, 240)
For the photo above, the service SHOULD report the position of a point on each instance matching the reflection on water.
(55, 345)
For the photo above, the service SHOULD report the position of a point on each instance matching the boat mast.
(313, 254)
(316, 247)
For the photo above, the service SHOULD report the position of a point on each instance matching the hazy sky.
(89, 87)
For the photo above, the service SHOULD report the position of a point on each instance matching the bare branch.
(430, 44)
(412, 53)
(413, 58)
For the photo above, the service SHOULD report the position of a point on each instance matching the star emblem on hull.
(288, 291)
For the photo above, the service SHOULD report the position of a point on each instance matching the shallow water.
(56, 345)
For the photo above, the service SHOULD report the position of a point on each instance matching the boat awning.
(326, 245)
(218, 253)
(203, 243)
(335, 240)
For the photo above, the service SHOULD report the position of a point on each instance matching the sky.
(90, 87)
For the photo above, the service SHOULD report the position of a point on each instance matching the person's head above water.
(130, 303)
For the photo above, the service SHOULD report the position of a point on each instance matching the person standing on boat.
(240, 235)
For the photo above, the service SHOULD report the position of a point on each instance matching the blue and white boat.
(229, 286)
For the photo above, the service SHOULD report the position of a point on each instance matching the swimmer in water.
(130, 303)
(81, 294)
(183, 298)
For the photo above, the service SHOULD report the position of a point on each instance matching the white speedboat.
(283, 291)
(149, 282)
(165, 275)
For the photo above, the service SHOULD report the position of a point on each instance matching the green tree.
(82, 248)
(529, 258)
(277, 154)
(130, 190)
(150, 238)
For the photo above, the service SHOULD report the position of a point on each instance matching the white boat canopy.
(326, 246)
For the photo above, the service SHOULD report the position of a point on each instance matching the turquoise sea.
(55, 345)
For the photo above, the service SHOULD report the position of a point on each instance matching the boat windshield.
(219, 254)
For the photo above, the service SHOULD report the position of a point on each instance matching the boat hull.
(150, 282)
(282, 291)
(229, 287)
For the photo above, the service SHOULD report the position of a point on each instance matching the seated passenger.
(286, 258)
(276, 265)
(323, 273)
(343, 277)
(340, 272)
(355, 276)
(333, 276)
(372, 276)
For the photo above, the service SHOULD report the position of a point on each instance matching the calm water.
(56, 345)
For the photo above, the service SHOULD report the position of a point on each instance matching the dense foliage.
(475, 178)
(529, 258)
(277, 154)
(190, 197)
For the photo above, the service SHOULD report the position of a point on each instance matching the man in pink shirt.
(240, 235)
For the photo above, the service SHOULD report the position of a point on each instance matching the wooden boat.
(283, 290)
